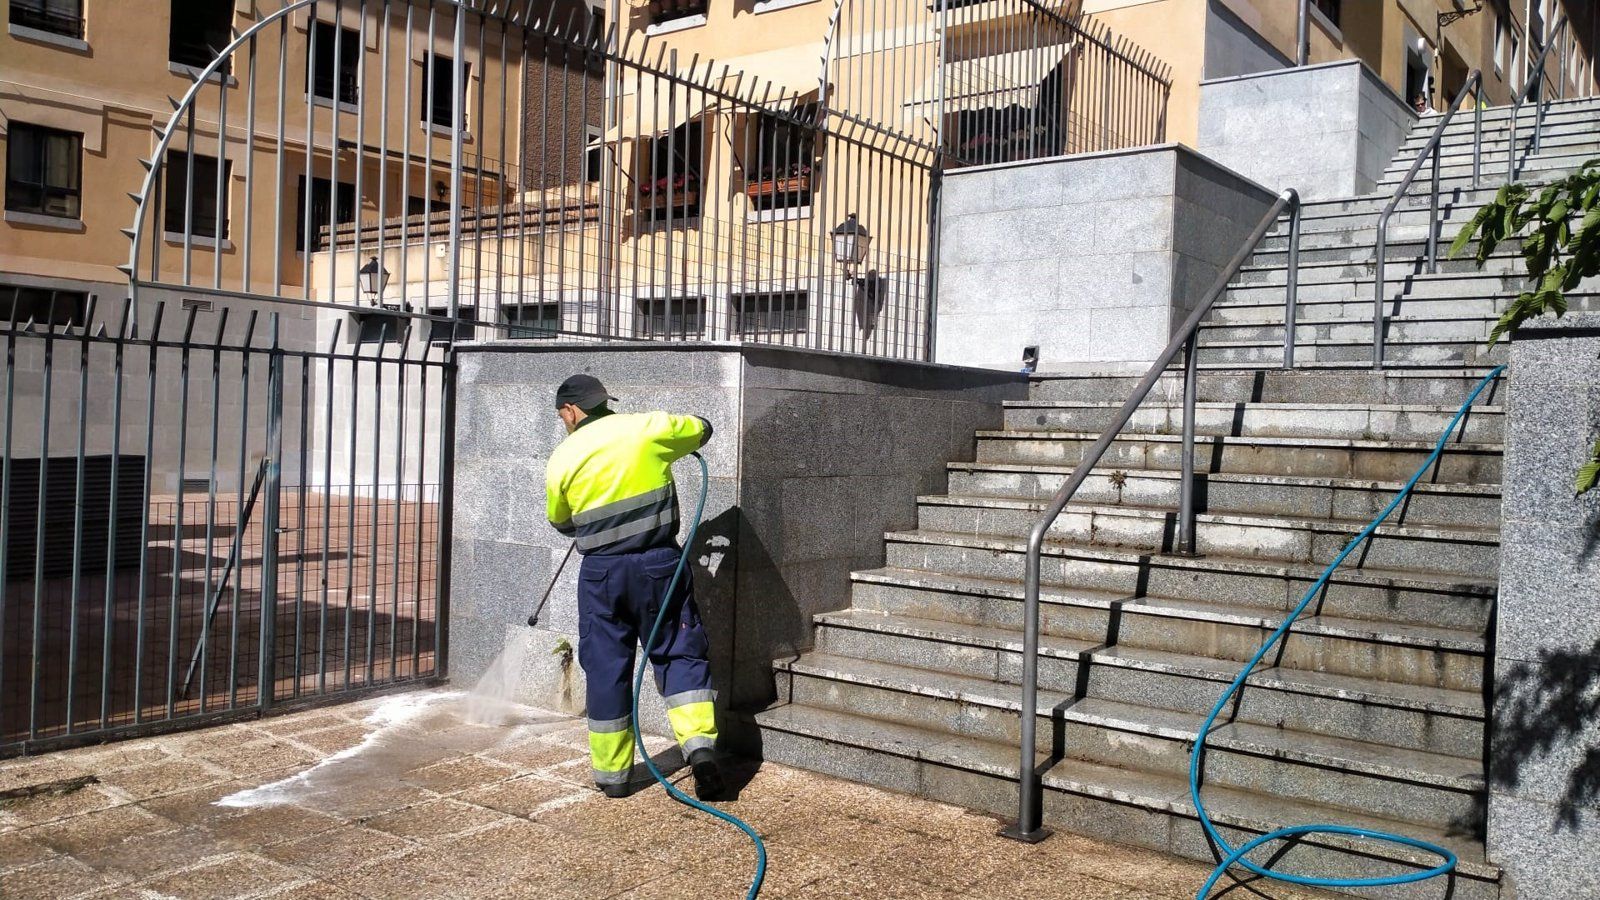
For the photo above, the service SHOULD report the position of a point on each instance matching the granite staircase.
(1371, 713)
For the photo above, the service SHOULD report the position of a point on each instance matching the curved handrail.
(1232, 855)
(1537, 78)
(1028, 827)
(1432, 148)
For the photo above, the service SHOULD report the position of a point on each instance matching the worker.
(609, 487)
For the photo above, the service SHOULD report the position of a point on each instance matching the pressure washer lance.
(533, 620)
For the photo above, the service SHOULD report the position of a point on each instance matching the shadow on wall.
(1540, 707)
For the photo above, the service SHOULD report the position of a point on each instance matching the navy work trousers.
(619, 597)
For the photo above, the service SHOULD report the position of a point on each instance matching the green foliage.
(1589, 474)
(563, 651)
(1556, 255)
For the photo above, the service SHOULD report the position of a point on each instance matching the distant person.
(1423, 105)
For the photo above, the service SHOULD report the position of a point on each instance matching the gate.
(206, 511)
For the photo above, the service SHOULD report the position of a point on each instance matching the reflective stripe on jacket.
(609, 484)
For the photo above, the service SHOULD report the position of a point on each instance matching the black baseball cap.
(583, 391)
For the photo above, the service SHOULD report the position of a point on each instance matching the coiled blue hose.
(1196, 757)
(638, 689)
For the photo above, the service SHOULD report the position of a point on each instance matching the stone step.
(1403, 329)
(1268, 269)
(1231, 311)
(1359, 606)
(1569, 151)
(1405, 785)
(1398, 351)
(1138, 808)
(1374, 203)
(1539, 169)
(1379, 460)
(916, 618)
(1338, 498)
(1464, 551)
(1575, 134)
(1358, 283)
(1442, 387)
(1577, 107)
(1164, 415)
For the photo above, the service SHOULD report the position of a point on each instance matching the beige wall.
(114, 91)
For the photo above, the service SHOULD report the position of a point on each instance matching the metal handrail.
(1028, 827)
(1434, 148)
(1536, 78)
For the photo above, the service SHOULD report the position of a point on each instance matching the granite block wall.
(1094, 259)
(1327, 130)
(815, 456)
(1544, 759)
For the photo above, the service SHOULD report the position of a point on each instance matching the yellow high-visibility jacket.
(609, 483)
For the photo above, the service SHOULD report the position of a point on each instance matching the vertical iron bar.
(177, 526)
(1433, 214)
(267, 674)
(280, 158)
(220, 201)
(249, 169)
(241, 517)
(457, 117)
(372, 525)
(77, 512)
(447, 477)
(209, 597)
(327, 508)
(6, 463)
(39, 518)
(1291, 317)
(144, 504)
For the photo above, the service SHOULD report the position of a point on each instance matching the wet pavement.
(425, 795)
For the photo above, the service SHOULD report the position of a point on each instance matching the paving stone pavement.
(407, 796)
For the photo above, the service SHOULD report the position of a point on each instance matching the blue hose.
(638, 689)
(1196, 757)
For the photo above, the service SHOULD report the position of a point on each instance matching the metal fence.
(205, 514)
(992, 81)
(581, 184)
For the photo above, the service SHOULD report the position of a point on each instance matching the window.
(439, 332)
(1329, 9)
(533, 320)
(593, 153)
(779, 158)
(670, 186)
(437, 102)
(41, 305)
(1515, 62)
(209, 217)
(198, 31)
(1500, 45)
(322, 203)
(63, 17)
(755, 315)
(44, 171)
(670, 10)
(675, 317)
(332, 45)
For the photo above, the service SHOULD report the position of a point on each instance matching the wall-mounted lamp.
(373, 278)
(851, 241)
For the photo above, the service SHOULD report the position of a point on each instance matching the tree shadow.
(1539, 708)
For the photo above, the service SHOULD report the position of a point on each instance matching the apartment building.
(337, 113)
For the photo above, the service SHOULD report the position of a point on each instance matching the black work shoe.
(708, 783)
(614, 791)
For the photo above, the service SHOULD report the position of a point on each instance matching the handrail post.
(1029, 809)
(1378, 274)
(1186, 511)
(1433, 215)
(1291, 300)
(1028, 827)
(1477, 133)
